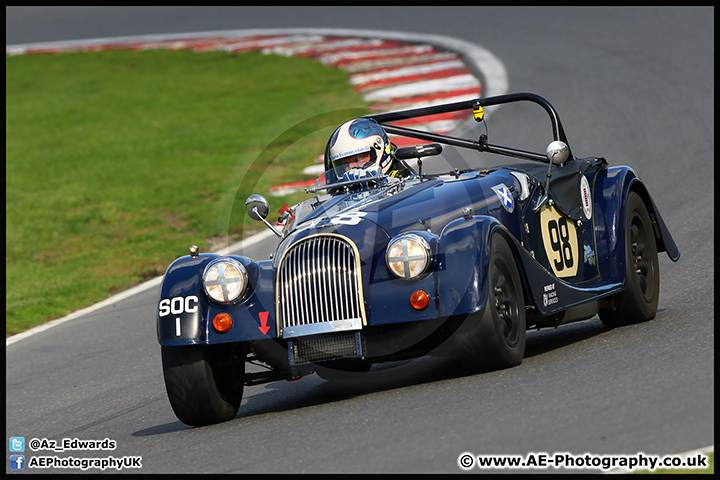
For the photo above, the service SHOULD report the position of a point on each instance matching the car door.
(562, 245)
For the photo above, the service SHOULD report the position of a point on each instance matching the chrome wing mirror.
(557, 153)
(257, 208)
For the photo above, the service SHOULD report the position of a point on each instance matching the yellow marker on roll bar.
(478, 113)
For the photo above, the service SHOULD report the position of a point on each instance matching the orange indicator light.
(419, 300)
(222, 322)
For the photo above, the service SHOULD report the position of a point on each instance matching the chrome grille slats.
(334, 277)
(347, 289)
(318, 287)
(320, 273)
(300, 258)
(292, 276)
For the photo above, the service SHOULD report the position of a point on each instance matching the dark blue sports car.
(375, 268)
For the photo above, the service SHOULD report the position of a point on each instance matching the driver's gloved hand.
(368, 170)
(355, 174)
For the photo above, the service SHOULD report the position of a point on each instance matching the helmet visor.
(366, 155)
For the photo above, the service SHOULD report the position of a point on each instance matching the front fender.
(462, 276)
(456, 282)
(185, 314)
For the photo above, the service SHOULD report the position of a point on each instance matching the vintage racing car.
(377, 269)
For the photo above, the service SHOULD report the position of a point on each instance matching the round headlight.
(225, 280)
(408, 256)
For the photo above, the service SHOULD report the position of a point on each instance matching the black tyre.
(497, 340)
(202, 382)
(639, 301)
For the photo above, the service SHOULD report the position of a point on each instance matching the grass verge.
(684, 471)
(117, 161)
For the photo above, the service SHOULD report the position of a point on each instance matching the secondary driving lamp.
(224, 280)
(408, 256)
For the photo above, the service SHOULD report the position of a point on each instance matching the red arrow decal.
(263, 321)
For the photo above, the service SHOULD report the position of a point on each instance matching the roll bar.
(480, 145)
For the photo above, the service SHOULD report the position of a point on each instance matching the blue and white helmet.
(356, 137)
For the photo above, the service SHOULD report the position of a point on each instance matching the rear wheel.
(202, 382)
(498, 339)
(639, 301)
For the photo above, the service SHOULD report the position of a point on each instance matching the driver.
(363, 141)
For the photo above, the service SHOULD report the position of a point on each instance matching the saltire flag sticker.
(506, 198)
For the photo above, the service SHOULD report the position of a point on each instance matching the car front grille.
(323, 348)
(319, 287)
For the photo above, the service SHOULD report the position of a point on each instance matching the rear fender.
(665, 241)
(611, 192)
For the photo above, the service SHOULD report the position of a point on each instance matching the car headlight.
(408, 256)
(225, 280)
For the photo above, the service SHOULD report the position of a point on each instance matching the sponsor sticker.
(586, 198)
(589, 255)
(354, 151)
(550, 296)
(505, 197)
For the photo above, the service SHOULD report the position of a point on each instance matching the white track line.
(481, 61)
(155, 282)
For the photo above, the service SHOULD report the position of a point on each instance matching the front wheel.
(498, 339)
(202, 382)
(639, 301)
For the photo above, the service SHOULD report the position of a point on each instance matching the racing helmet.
(355, 137)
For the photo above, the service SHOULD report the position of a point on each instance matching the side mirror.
(557, 152)
(257, 207)
(418, 151)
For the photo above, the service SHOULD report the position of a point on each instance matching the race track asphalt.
(634, 85)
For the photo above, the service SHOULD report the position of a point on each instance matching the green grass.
(684, 471)
(117, 161)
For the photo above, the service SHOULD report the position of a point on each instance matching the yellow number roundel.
(560, 240)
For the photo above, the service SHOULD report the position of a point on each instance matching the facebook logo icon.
(17, 462)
